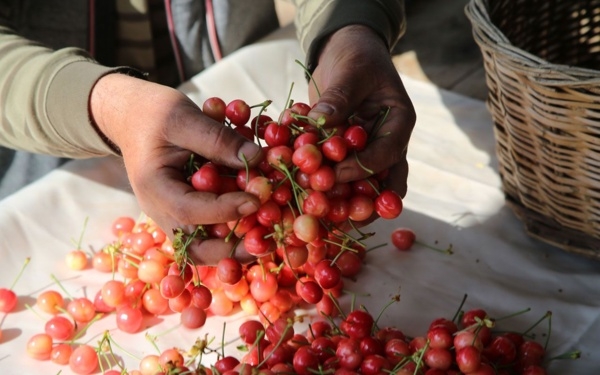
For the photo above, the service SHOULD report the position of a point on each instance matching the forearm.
(44, 99)
(317, 19)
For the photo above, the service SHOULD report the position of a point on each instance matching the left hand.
(355, 75)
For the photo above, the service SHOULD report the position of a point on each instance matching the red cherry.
(403, 238)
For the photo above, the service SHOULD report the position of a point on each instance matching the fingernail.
(247, 208)
(322, 109)
(248, 151)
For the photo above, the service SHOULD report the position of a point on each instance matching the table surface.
(454, 198)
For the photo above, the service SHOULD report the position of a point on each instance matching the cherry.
(193, 317)
(388, 204)
(83, 360)
(214, 108)
(305, 361)
(356, 137)
(468, 359)
(8, 298)
(59, 328)
(207, 179)
(129, 319)
(327, 274)
(229, 271)
(238, 112)
(403, 238)
(358, 324)
(39, 346)
(335, 148)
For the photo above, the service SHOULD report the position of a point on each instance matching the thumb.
(213, 140)
(338, 101)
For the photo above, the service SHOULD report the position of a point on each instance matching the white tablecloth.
(454, 198)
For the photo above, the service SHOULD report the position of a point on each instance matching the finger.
(209, 252)
(343, 94)
(397, 180)
(192, 130)
(188, 206)
(388, 148)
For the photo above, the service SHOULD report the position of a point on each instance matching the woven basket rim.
(540, 70)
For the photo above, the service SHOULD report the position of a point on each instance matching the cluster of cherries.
(354, 344)
(303, 255)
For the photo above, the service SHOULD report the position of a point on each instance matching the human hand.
(355, 76)
(157, 129)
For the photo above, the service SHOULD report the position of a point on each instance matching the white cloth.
(454, 198)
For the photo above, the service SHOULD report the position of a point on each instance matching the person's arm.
(44, 98)
(316, 20)
(63, 103)
(348, 45)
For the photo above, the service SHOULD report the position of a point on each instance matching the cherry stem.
(263, 108)
(376, 247)
(278, 344)
(33, 311)
(308, 73)
(363, 235)
(223, 339)
(262, 105)
(286, 101)
(234, 247)
(152, 340)
(82, 331)
(459, 310)
(369, 171)
(394, 299)
(78, 243)
(190, 166)
(25, 263)
(295, 187)
(110, 340)
(369, 182)
(337, 305)
(548, 314)
(419, 361)
(383, 114)
(447, 250)
(576, 354)
(110, 357)
(528, 309)
(60, 286)
(287, 258)
(231, 232)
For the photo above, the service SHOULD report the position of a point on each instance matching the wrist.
(107, 103)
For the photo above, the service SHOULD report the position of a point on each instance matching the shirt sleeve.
(316, 19)
(44, 96)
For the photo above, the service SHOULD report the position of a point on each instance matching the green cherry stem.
(25, 263)
(575, 354)
(78, 243)
(287, 101)
(308, 73)
(369, 171)
(548, 314)
(383, 114)
(459, 310)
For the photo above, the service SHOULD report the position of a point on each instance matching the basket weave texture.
(540, 58)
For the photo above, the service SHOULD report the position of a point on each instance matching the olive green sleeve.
(316, 19)
(44, 98)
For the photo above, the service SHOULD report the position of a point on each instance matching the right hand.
(157, 129)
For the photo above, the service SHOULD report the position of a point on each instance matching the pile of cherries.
(303, 255)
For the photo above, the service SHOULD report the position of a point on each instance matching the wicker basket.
(540, 58)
